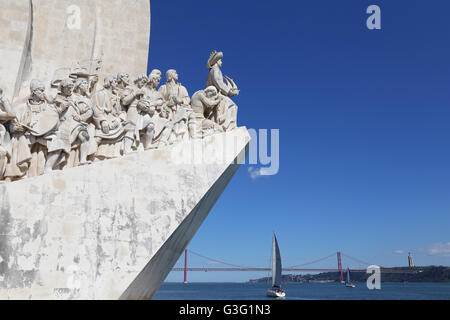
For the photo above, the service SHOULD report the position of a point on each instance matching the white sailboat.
(276, 290)
(348, 283)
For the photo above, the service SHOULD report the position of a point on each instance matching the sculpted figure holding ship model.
(80, 125)
(226, 113)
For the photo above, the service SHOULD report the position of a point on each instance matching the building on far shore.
(410, 260)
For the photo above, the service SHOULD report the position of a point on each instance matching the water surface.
(304, 291)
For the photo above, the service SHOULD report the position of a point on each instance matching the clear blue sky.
(364, 119)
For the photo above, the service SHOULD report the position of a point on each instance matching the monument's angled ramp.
(39, 37)
(113, 229)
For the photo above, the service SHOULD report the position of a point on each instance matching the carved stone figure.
(174, 93)
(114, 134)
(4, 152)
(83, 104)
(178, 100)
(226, 114)
(41, 124)
(154, 79)
(79, 125)
(140, 112)
(124, 89)
(72, 131)
(204, 103)
(20, 155)
(161, 118)
(6, 114)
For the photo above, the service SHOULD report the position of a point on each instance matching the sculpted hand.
(76, 117)
(114, 124)
(178, 100)
(105, 127)
(18, 128)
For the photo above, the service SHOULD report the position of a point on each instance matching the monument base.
(113, 229)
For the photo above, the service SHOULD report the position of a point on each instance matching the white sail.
(276, 263)
(348, 275)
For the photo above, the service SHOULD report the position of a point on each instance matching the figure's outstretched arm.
(219, 83)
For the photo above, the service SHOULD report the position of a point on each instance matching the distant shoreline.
(432, 274)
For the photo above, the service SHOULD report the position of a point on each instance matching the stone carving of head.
(81, 86)
(66, 87)
(165, 112)
(141, 80)
(171, 75)
(215, 58)
(123, 78)
(110, 82)
(211, 92)
(37, 89)
(154, 78)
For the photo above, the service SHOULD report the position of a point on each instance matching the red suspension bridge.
(297, 268)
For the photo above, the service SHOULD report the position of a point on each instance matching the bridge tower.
(185, 266)
(340, 266)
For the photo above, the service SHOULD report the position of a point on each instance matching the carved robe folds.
(4, 152)
(19, 163)
(6, 113)
(111, 127)
(42, 121)
(83, 111)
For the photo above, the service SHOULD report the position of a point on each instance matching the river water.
(304, 291)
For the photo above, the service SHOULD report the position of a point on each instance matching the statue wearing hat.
(226, 113)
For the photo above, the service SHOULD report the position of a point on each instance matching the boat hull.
(275, 294)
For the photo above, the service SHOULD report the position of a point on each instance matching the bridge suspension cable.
(357, 260)
(312, 262)
(215, 260)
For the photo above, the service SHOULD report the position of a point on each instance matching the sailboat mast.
(274, 260)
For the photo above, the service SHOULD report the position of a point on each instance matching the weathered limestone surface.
(41, 36)
(112, 229)
(14, 25)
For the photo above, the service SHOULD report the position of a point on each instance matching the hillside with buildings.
(420, 274)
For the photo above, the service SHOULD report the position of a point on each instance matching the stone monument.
(104, 178)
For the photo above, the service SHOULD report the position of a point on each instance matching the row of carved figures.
(81, 125)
